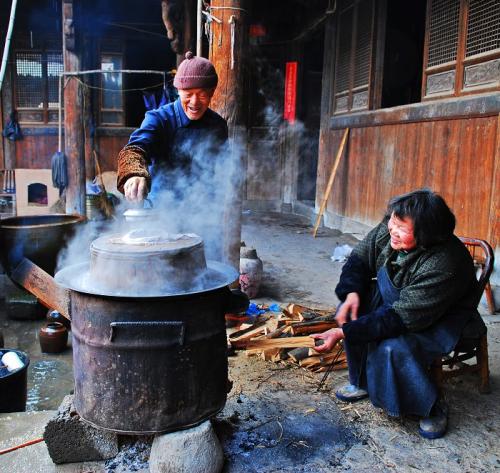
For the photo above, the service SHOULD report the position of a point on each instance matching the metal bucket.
(14, 385)
(149, 365)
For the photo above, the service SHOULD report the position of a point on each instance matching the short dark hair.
(433, 220)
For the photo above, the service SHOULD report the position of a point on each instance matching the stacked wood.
(284, 337)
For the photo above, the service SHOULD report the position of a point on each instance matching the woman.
(407, 291)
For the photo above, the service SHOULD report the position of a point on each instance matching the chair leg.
(489, 298)
(482, 361)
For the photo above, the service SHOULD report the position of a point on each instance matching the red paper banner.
(290, 91)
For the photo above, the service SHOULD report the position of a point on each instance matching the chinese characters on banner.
(290, 91)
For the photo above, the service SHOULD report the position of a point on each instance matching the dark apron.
(395, 371)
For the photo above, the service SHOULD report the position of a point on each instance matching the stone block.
(195, 450)
(69, 439)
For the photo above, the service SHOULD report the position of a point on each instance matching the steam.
(185, 202)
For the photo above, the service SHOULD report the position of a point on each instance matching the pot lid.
(78, 278)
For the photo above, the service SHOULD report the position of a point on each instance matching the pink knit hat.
(195, 72)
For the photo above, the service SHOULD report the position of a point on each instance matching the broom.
(104, 204)
(58, 161)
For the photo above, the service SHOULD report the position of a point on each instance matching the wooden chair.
(473, 342)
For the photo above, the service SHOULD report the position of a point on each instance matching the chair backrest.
(483, 256)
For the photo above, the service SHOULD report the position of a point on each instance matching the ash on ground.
(133, 455)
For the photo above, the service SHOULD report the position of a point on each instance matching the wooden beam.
(42, 285)
(74, 141)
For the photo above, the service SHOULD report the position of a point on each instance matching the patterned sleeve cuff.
(131, 162)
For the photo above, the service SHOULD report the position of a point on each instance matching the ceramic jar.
(250, 271)
(53, 337)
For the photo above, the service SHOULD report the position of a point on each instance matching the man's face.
(401, 231)
(195, 102)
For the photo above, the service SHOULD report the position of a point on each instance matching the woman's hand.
(135, 189)
(330, 337)
(349, 309)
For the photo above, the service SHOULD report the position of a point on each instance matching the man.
(176, 135)
(407, 291)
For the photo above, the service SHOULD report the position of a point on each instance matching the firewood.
(240, 338)
(268, 355)
(277, 332)
(298, 354)
(312, 327)
(285, 342)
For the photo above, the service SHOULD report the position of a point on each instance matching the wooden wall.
(389, 153)
(35, 150)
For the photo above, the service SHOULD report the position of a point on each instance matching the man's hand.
(349, 309)
(135, 189)
(331, 337)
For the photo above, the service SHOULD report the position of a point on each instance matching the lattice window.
(443, 31)
(54, 67)
(470, 29)
(36, 80)
(483, 30)
(29, 80)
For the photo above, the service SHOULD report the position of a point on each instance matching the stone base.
(69, 439)
(195, 450)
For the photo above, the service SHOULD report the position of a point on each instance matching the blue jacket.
(169, 140)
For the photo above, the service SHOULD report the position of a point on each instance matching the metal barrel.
(149, 365)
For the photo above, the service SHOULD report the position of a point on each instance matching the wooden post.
(9, 147)
(228, 52)
(74, 142)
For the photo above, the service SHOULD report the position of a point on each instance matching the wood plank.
(287, 342)
(42, 285)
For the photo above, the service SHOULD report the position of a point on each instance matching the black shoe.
(434, 426)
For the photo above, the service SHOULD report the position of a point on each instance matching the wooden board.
(286, 342)
(454, 157)
(42, 286)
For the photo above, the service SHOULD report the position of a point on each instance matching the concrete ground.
(275, 418)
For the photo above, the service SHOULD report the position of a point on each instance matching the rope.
(94, 87)
(11, 449)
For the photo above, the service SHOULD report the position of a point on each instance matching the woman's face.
(401, 231)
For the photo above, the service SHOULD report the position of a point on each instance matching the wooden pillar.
(9, 147)
(74, 142)
(228, 52)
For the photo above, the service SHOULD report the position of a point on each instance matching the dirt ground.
(275, 419)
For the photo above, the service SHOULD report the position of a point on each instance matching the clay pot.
(55, 316)
(250, 271)
(53, 337)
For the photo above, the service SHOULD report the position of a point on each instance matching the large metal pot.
(148, 357)
(38, 238)
(147, 365)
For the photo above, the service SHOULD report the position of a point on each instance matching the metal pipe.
(7, 41)
(199, 28)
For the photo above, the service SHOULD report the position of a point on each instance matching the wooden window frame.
(111, 47)
(457, 66)
(24, 113)
(351, 91)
